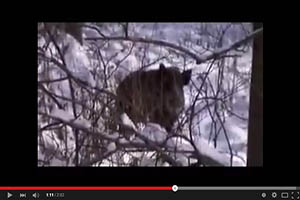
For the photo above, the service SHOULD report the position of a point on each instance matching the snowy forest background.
(79, 71)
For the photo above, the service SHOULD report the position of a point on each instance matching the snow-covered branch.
(68, 120)
(79, 126)
(204, 153)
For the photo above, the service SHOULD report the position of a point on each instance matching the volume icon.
(36, 195)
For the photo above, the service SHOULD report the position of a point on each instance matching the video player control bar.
(238, 188)
(167, 192)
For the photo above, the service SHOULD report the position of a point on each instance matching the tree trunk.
(255, 131)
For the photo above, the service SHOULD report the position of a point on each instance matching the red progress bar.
(85, 188)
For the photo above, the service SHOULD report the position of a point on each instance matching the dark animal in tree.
(153, 96)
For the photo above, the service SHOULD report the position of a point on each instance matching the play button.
(9, 195)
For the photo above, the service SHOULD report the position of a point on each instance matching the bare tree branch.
(54, 80)
(199, 59)
(94, 27)
(50, 95)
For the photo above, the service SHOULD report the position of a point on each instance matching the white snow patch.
(78, 62)
(83, 122)
(154, 132)
(64, 115)
(205, 149)
(127, 121)
(111, 147)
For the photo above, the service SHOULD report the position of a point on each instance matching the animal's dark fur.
(153, 96)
